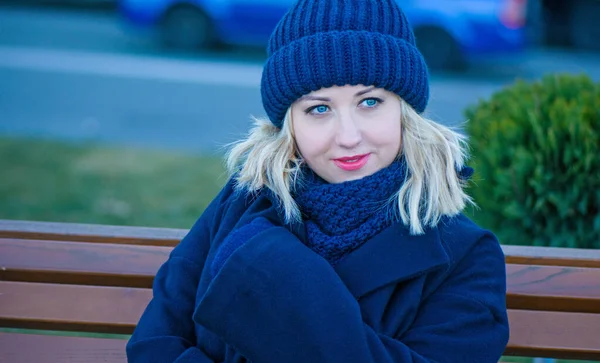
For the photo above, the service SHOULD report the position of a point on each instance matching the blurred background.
(116, 111)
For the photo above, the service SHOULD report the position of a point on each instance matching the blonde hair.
(268, 157)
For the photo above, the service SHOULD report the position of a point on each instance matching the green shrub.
(536, 152)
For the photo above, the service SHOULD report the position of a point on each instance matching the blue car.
(450, 33)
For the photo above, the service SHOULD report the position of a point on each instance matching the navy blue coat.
(436, 297)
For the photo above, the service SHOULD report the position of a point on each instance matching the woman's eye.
(320, 109)
(371, 102)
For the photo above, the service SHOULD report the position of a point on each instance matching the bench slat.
(529, 287)
(97, 309)
(150, 236)
(554, 335)
(33, 348)
(552, 256)
(80, 263)
(553, 288)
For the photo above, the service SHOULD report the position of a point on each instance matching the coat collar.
(390, 257)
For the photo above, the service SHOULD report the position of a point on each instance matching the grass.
(47, 180)
(87, 183)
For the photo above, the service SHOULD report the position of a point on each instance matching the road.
(71, 74)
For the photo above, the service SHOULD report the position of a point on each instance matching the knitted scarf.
(340, 217)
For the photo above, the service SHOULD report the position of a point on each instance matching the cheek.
(311, 144)
(311, 138)
(387, 133)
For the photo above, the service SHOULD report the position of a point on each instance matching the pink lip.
(352, 163)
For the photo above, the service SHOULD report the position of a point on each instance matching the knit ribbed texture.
(340, 217)
(322, 43)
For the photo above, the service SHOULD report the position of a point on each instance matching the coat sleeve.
(165, 331)
(277, 301)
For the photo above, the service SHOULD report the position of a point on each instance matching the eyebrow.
(326, 99)
(365, 91)
(314, 98)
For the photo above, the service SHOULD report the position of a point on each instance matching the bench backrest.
(91, 278)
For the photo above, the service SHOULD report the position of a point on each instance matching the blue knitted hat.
(324, 43)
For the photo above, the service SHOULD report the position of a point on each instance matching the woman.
(339, 237)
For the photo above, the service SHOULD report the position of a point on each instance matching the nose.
(348, 134)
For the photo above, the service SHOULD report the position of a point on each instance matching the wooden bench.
(97, 279)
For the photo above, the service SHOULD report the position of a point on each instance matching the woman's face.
(347, 133)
